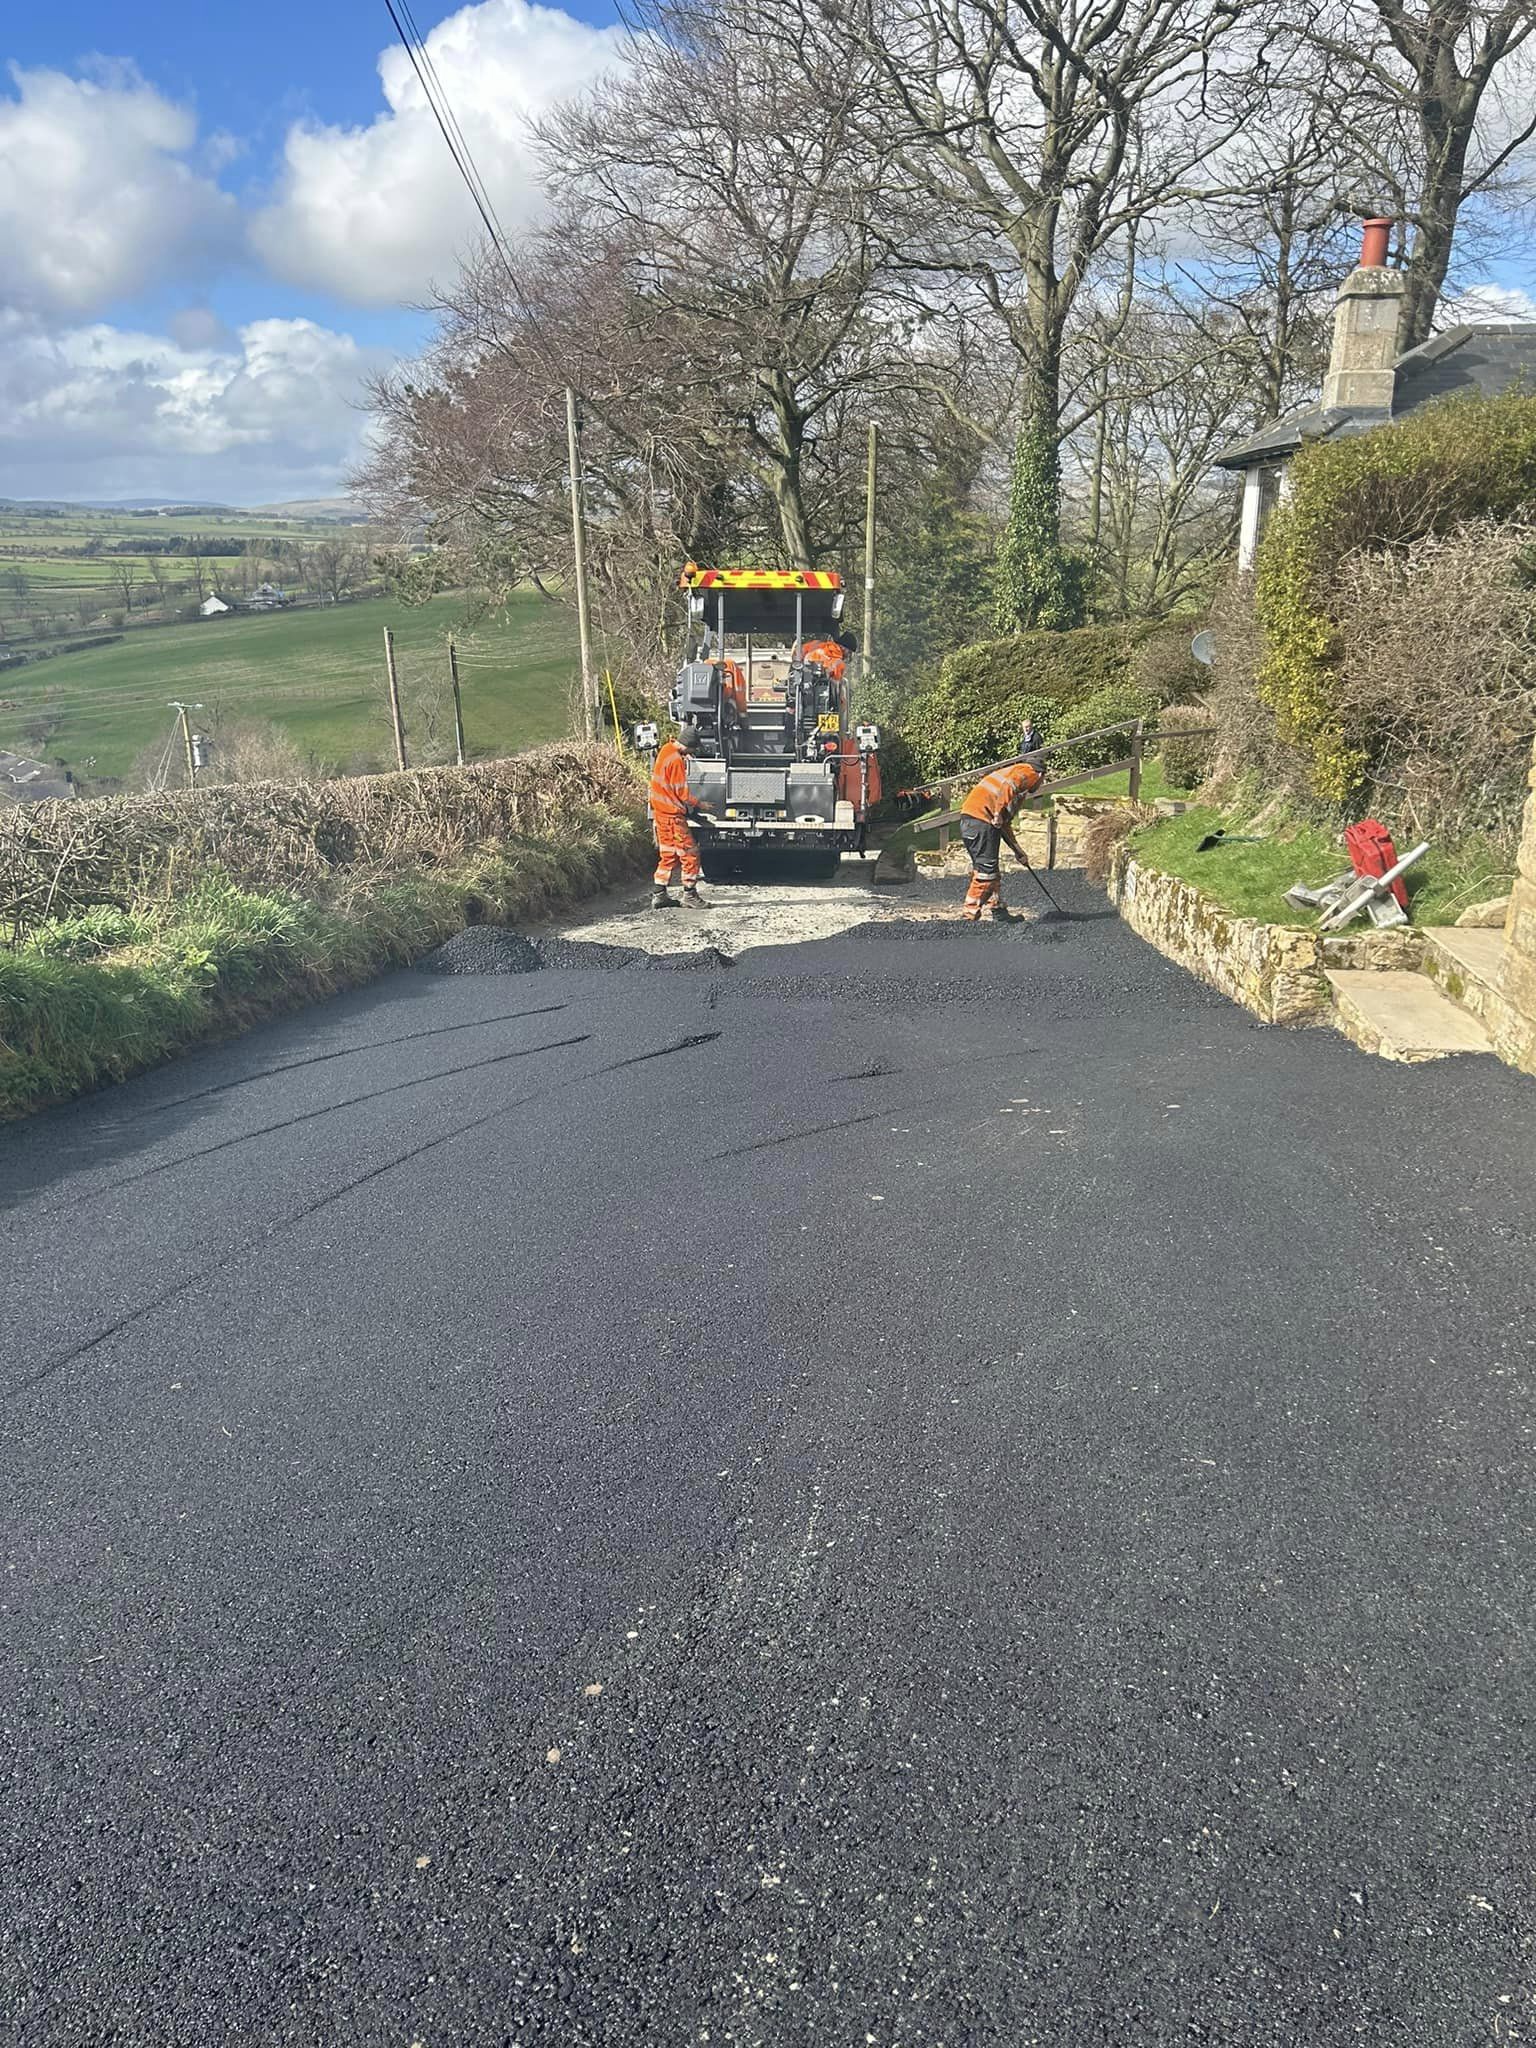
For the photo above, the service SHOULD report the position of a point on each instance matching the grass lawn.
(1152, 784)
(319, 674)
(1251, 879)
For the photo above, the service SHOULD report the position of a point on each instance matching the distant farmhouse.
(32, 782)
(266, 597)
(212, 606)
(1370, 385)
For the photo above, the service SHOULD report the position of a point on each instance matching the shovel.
(1221, 837)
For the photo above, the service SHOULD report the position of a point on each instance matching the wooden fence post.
(394, 697)
(458, 708)
(1136, 743)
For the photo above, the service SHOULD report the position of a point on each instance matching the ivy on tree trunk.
(1039, 583)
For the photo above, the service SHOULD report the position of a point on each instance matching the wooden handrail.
(1070, 781)
(946, 818)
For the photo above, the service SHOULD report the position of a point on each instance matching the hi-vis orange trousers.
(675, 848)
(984, 844)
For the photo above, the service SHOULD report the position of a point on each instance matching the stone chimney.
(1360, 364)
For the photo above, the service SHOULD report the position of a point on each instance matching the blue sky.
(250, 74)
(214, 222)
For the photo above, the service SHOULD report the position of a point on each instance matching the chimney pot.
(1373, 244)
(1362, 366)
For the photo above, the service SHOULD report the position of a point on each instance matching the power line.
(425, 53)
(447, 122)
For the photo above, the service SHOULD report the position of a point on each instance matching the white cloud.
(1481, 304)
(376, 214)
(101, 412)
(97, 198)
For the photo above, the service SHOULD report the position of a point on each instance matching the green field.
(319, 674)
(61, 573)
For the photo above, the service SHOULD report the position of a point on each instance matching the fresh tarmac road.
(933, 1486)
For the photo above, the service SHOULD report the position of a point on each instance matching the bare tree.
(335, 566)
(1023, 137)
(746, 192)
(156, 570)
(1431, 98)
(1181, 385)
(125, 576)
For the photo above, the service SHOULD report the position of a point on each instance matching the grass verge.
(101, 995)
(1250, 878)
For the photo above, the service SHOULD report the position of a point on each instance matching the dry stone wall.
(1270, 969)
(1516, 1040)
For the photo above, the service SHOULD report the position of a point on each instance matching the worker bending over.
(670, 805)
(986, 824)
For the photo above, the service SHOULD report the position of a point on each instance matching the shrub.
(1116, 705)
(1463, 459)
(1436, 678)
(973, 712)
(1105, 832)
(1164, 667)
(1186, 758)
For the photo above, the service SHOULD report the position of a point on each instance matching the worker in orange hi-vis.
(986, 826)
(670, 805)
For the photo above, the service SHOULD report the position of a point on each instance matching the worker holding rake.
(986, 826)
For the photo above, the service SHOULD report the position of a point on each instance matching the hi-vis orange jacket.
(828, 655)
(669, 783)
(998, 795)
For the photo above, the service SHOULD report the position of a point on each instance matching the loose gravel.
(490, 949)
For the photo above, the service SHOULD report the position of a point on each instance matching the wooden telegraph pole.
(869, 558)
(589, 712)
(183, 712)
(458, 707)
(394, 698)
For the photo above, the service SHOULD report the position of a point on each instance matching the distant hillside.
(344, 511)
(66, 505)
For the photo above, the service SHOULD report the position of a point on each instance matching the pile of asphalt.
(491, 949)
(483, 949)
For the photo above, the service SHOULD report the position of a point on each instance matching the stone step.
(1467, 964)
(1400, 1015)
(1477, 970)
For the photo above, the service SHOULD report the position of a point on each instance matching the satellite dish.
(1203, 648)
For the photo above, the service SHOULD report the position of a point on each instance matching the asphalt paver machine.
(780, 765)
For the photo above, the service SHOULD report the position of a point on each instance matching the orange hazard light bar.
(695, 578)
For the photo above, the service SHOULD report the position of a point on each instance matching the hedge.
(973, 712)
(1455, 461)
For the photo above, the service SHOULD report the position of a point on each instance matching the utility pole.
(869, 557)
(394, 698)
(183, 712)
(579, 544)
(458, 708)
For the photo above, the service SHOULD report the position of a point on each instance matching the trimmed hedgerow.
(1459, 460)
(972, 713)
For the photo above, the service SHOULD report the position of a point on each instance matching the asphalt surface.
(934, 1487)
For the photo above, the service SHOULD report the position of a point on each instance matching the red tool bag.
(1371, 852)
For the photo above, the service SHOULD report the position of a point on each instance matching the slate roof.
(30, 782)
(1480, 360)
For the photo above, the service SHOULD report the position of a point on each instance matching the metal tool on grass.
(1347, 895)
(1222, 837)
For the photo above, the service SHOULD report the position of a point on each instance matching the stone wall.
(1520, 923)
(1271, 969)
